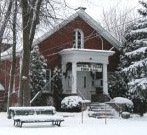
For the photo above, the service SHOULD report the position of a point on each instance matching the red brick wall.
(5, 68)
(63, 39)
(56, 42)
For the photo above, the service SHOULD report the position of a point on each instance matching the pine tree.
(134, 60)
(118, 85)
(38, 68)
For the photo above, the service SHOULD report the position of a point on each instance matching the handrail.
(114, 102)
(81, 94)
(35, 97)
(40, 92)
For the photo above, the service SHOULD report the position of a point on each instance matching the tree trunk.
(24, 84)
(13, 65)
(29, 16)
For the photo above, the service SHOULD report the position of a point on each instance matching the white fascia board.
(94, 24)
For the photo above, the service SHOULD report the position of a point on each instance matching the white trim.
(82, 14)
(76, 38)
(92, 56)
(95, 25)
(105, 79)
(74, 78)
(73, 50)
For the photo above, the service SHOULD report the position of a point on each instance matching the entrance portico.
(78, 65)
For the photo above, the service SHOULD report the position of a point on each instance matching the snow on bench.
(30, 110)
(34, 114)
(19, 120)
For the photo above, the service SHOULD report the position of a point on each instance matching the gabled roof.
(5, 46)
(94, 24)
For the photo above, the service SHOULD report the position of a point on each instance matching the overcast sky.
(95, 7)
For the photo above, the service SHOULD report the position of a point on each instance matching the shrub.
(71, 104)
(125, 115)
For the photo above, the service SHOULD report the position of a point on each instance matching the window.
(78, 39)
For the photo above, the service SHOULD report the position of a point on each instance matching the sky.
(96, 7)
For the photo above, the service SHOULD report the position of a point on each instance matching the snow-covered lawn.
(73, 126)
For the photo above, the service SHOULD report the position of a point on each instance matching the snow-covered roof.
(1, 87)
(69, 50)
(8, 53)
(80, 13)
(85, 55)
(94, 24)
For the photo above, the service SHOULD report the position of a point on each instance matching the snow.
(94, 24)
(140, 82)
(1, 87)
(24, 78)
(140, 50)
(72, 125)
(8, 53)
(144, 30)
(33, 108)
(71, 101)
(122, 100)
(135, 65)
(39, 117)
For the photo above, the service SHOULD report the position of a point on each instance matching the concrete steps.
(101, 110)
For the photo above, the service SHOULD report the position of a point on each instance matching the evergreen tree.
(118, 85)
(57, 87)
(134, 60)
(38, 68)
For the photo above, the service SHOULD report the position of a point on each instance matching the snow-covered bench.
(55, 120)
(33, 115)
(14, 111)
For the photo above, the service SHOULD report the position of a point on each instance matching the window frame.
(76, 39)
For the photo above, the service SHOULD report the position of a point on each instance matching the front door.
(84, 84)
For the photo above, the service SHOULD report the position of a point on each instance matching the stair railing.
(119, 108)
(80, 94)
(40, 92)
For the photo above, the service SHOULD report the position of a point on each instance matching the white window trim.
(76, 38)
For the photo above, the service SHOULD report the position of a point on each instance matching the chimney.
(81, 8)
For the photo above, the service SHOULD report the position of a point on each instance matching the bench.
(33, 115)
(19, 120)
(30, 110)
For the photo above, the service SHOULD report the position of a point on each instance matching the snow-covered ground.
(73, 126)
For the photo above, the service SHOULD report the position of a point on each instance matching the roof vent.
(81, 8)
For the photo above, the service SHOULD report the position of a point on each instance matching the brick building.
(85, 52)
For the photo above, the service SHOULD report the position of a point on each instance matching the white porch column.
(105, 80)
(63, 76)
(74, 77)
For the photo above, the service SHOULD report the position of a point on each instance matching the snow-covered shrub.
(71, 104)
(124, 103)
